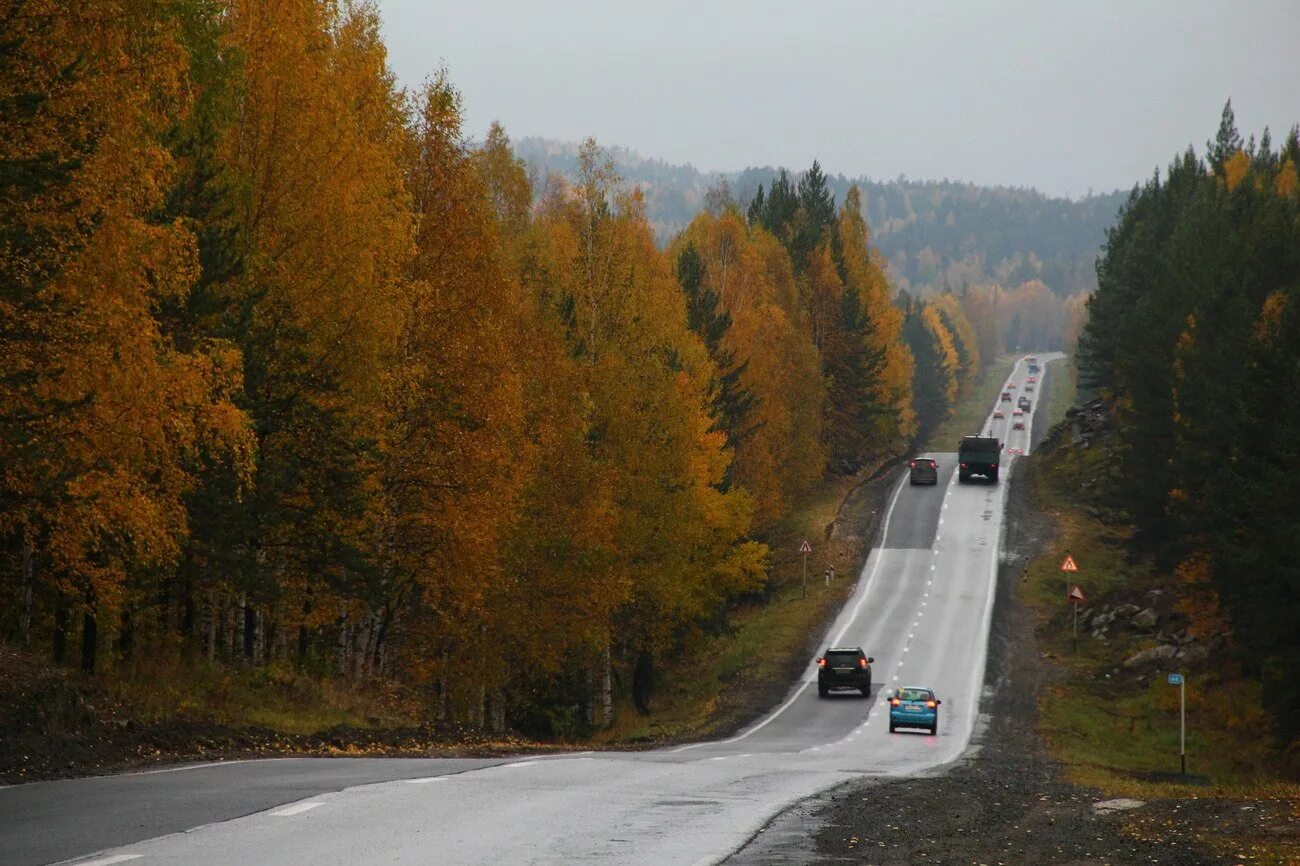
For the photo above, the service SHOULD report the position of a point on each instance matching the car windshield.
(841, 659)
(915, 695)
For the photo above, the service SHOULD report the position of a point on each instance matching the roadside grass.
(1117, 730)
(972, 407)
(1062, 388)
(276, 696)
(728, 678)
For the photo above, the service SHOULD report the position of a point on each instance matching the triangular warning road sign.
(1069, 564)
(1076, 595)
(805, 547)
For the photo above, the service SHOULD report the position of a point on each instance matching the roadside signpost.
(805, 549)
(1075, 597)
(1069, 567)
(1177, 680)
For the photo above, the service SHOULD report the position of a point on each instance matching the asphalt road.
(921, 607)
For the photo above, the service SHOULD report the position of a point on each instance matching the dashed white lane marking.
(426, 780)
(934, 568)
(719, 758)
(104, 861)
(295, 809)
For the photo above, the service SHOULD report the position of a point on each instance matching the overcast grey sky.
(1063, 96)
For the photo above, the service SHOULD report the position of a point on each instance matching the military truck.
(978, 455)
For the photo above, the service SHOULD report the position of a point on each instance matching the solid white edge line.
(105, 861)
(295, 809)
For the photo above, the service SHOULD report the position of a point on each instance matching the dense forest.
(936, 236)
(1194, 336)
(294, 373)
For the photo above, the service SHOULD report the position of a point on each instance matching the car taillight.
(931, 704)
(963, 466)
(913, 464)
(821, 663)
(862, 663)
(895, 701)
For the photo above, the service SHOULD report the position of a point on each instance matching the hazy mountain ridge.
(936, 235)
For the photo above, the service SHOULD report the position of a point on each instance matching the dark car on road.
(844, 668)
(924, 470)
(978, 455)
(1024, 404)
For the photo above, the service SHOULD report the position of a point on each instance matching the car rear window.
(841, 659)
(915, 694)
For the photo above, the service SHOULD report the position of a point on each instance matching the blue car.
(913, 707)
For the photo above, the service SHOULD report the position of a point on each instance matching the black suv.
(844, 668)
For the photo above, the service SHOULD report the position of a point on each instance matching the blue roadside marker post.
(1177, 680)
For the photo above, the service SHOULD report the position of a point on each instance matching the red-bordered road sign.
(1069, 564)
(1076, 596)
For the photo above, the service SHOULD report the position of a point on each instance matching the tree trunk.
(607, 689)
(341, 663)
(442, 686)
(126, 635)
(249, 631)
(643, 680)
(213, 616)
(89, 635)
(60, 647)
(25, 611)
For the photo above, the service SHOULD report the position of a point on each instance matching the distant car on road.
(1018, 412)
(1032, 380)
(1019, 425)
(1011, 386)
(913, 707)
(844, 668)
(1024, 404)
(1019, 451)
(1006, 397)
(998, 414)
(1029, 387)
(924, 470)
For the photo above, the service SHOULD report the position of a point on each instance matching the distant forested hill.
(937, 235)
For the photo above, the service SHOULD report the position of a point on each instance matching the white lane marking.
(104, 861)
(295, 809)
(513, 765)
(426, 780)
(198, 767)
